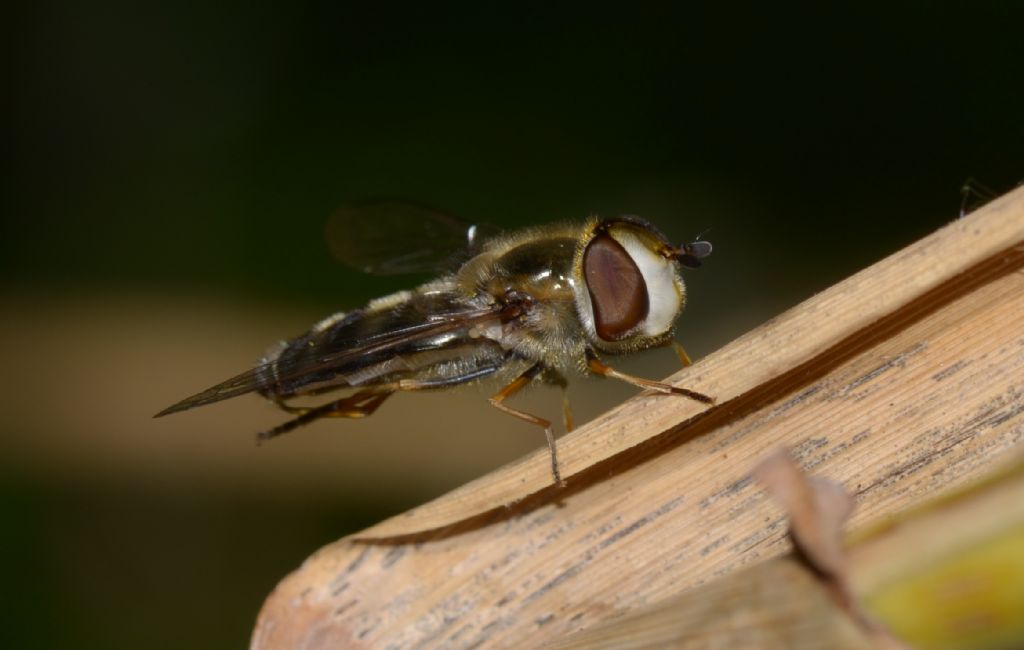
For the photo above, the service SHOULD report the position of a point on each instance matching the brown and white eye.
(618, 293)
(630, 288)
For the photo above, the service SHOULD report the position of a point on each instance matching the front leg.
(598, 367)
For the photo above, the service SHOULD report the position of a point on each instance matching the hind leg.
(363, 403)
(357, 405)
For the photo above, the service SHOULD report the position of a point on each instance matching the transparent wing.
(393, 238)
(326, 353)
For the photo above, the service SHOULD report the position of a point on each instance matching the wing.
(324, 353)
(393, 238)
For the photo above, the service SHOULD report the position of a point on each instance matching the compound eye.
(617, 289)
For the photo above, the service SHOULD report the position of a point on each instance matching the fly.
(533, 306)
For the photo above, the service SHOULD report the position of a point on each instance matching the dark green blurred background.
(171, 168)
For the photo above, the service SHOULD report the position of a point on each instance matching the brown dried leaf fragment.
(818, 509)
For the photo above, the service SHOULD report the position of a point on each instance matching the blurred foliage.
(199, 147)
(163, 144)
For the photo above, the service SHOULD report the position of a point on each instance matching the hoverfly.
(536, 305)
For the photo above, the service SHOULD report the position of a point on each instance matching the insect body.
(537, 305)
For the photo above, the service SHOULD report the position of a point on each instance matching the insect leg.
(288, 408)
(554, 377)
(364, 402)
(566, 411)
(358, 405)
(355, 399)
(974, 194)
(681, 351)
(599, 367)
(517, 384)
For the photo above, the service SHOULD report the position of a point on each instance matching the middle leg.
(517, 384)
